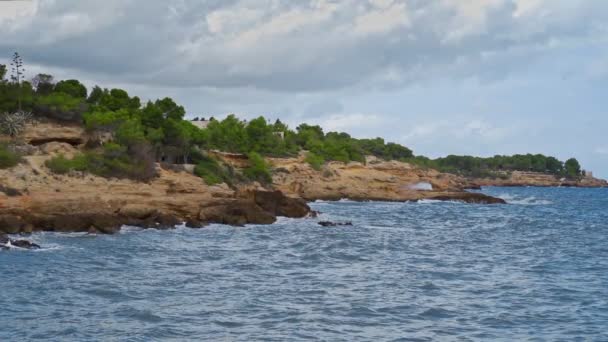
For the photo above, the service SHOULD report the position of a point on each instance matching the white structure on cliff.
(200, 123)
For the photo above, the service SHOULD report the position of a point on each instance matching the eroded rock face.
(377, 180)
(86, 203)
(468, 197)
(42, 133)
(520, 178)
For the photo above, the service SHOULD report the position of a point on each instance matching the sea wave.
(531, 200)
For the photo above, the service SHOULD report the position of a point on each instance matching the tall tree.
(43, 83)
(573, 168)
(18, 75)
(2, 72)
(72, 87)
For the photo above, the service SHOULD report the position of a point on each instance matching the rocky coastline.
(535, 179)
(32, 198)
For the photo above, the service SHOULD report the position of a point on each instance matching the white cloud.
(350, 122)
(296, 46)
(382, 19)
(602, 150)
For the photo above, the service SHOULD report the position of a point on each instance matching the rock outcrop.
(79, 202)
(6, 243)
(377, 180)
(520, 178)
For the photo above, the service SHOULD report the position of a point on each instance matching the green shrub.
(113, 161)
(135, 162)
(258, 169)
(62, 165)
(210, 171)
(315, 161)
(8, 158)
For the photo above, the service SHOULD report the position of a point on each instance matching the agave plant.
(13, 124)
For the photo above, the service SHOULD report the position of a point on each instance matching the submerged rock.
(468, 197)
(335, 224)
(6, 243)
(24, 244)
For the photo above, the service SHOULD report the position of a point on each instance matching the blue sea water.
(536, 269)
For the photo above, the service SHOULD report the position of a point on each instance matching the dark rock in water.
(334, 224)
(276, 203)
(4, 241)
(195, 224)
(469, 197)
(24, 244)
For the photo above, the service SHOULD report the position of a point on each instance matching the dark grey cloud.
(294, 45)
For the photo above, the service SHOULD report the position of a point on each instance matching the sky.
(477, 77)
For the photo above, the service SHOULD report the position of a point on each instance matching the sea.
(535, 269)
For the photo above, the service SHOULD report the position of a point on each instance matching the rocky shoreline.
(32, 198)
(535, 179)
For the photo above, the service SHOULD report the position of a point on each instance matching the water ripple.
(536, 269)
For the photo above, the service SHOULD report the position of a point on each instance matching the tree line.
(130, 135)
(499, 165)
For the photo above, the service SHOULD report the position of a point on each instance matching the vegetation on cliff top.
(131, 136)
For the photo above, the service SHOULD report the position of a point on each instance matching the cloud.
(351, 122)
(500, 76)
(603, 150)
(292, 46)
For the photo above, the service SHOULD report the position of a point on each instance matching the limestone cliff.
(377, 180)
(32, 199)
(519, 178)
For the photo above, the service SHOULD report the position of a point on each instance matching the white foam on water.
(524, 201)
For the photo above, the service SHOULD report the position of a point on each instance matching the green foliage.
(43, 83)
(105, 120)
(8, 158)
(61, 165)
(2, 72)
(112, 161)
(72, 88)
(258, 169)
(228, 135)
(495, 166)
(95, 96)
(315, 161)
(60, 106)
(130, 133)
(210, 170)
(572, 168)
(12, 93)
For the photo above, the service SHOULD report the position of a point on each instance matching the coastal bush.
(210, 170)
(112, 161)
(132, 162)
(62, 165)
(60, 106)
(315, 161)
(258, 169)
(8, 158)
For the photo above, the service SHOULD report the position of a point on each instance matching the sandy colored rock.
(520, 178)
(377, 180)
(87, 203)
